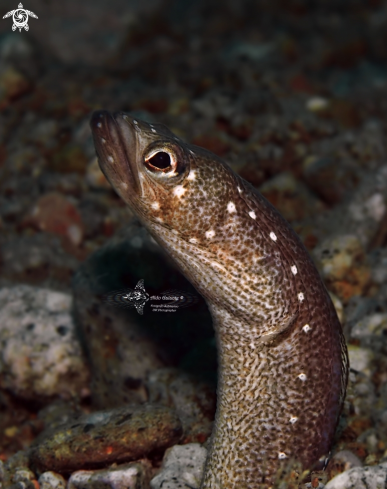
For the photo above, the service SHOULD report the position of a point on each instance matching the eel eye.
(161, 162)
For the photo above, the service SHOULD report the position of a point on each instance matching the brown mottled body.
(282, 356)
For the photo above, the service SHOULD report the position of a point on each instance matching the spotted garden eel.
(282, 357)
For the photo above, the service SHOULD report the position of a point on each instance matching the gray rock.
(360, 359)
(183, 466)
(51, 480)
(374, 477)
(342, 461)
(16, 473)
(23, 474)
(40, 355)
(130, 476)
(348, 458)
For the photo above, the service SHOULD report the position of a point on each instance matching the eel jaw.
(116, 144)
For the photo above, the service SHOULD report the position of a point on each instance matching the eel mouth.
(116, 144)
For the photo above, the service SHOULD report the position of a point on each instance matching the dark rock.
(104, 437)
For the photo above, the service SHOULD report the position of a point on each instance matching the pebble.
(372, 325)
(374, 477)
(183, 466)
(23, 474)
(316, 104)
(105, 437)
(51, 480)
(54, 213)
(292, 198)
(361, 359)
(40, 356)
(343, 264)
(342, 461)
(129, 476)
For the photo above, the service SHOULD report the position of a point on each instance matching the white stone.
(51, 480)
(125, 477)
(40, 354)
(183, 466)
(374, 477)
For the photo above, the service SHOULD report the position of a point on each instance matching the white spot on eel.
(302, 376)
(99, 124)
(282, 455)
(252, 215)
(301, 297)
(294, 270)
(306, 328)
(293, 419)
(273, 236)
(193, 240)
(231, 207)
(210, 234)
(179, 191)
(191, 175)
(155, 205)
(110, 159)
(103, 140)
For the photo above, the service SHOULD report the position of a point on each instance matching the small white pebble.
(231, 207)
(306, 328)
(75, 234)
(301, 297)
(252, 215)
(315, 104)
(294, 270)
(302, 376)
(273, 236)
(153, 129)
